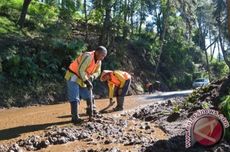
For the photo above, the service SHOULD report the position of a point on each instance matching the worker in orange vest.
(80, 74)
(118, 83)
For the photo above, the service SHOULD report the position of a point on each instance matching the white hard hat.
(104, 73)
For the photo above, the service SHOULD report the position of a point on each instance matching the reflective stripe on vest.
(74, 66)
(126, 75)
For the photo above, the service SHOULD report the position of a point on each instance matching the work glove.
(91, 78)
(88, 84)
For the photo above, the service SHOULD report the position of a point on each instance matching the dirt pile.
(177, 144)
(174, 124)
(163, 114)
(103, 130)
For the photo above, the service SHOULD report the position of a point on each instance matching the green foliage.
(55, 32)
(145, 47)
(59, 30)
(67, 50)
(219, 69)
(7, 26)
(10, 11)
(176, 61)
(205, 105)
(176, 108)
(10, 8)
(68, 9)
(42, 14)
(36, 73)
(95, 17)
(193, 97)
(112, 62)
(225, 109)
(19, 64)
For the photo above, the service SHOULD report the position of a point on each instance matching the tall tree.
(22, 17)
(142, 14)
(132, 10)
(228, 9)
(86, 20)
(206, 25)
(186, 8)
(162, 38)
(221, 14)
(203, 31)
(125, 10)
(106, 29)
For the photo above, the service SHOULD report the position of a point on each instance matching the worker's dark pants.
(124, 89)
(150, 89)
(120, 94)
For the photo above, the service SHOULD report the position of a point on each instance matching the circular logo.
(208, 130)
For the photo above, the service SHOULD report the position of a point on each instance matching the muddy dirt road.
(20, 123)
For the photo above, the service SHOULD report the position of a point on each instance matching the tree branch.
(212, 43)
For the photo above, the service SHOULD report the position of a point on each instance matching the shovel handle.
(91, 103)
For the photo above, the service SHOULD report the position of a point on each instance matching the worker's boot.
(120, 104)
(94, 107)
(74, 113)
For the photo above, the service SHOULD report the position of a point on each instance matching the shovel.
(91, 104)
(107, 107)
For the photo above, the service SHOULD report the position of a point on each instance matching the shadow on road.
(17, 131)
(69, 116)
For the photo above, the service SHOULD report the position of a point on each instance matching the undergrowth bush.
(225, 109)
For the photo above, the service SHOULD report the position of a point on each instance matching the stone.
(108, 141)
(173, 117)
(44, 143)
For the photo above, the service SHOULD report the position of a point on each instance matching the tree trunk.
(228, 9)
(208, 67)
(131, 16)
(224, 52)
(104, 38)
(158, 24)
(210, 41)
(165, 26)
(86, 21)
(141, 16)
(125, 20)
(22, 18)
(218, 47)
(0, 64)
(132, 24)
(203, 47)
(202, 33)
(210, 46)
(213, 51)
(140, 23)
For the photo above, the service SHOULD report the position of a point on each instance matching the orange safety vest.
(74, 66)
(116, 81)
